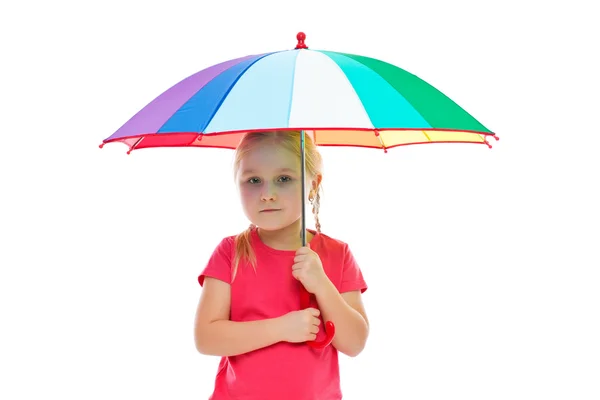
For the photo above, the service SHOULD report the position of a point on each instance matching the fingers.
(299, 258)
(303, 250)
(299, 273)
(315, 312)
(306, 324)
(297, 265)
(313, 328)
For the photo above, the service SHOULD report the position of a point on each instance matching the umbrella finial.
(301, 37)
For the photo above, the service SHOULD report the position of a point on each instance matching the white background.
(482, 264)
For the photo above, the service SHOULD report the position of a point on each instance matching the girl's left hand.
(308, 269)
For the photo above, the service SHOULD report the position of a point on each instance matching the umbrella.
(339, 99)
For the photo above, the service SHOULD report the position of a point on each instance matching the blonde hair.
(289, 140)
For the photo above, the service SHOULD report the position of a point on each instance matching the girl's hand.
(300, 326)
(308, 269)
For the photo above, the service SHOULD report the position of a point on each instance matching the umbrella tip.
(301, 36)
(488, 143)
(101, 145)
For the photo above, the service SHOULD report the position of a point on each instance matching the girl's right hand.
(300, 326)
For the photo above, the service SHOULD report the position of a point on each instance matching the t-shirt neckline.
(259, 243)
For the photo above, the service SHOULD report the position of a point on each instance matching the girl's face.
(269, 181)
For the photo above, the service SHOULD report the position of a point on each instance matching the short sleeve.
(352, 277)
(219, 263)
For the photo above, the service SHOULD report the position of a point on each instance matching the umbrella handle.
(329, 326)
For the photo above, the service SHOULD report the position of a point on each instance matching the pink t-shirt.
(288, 371)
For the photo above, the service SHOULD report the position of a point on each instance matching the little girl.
(249, 310)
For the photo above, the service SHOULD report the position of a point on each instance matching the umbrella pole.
(305, 296)
(302, 175)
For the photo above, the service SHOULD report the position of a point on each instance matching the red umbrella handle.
(329, 327)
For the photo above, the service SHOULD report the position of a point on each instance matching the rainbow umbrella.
(338, 99)
(344, 99)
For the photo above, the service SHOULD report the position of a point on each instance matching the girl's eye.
(285, 179)
(253, 180)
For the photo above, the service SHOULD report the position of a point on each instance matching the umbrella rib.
(484, 138)
(196, 139)
(135, 144)
(378, 135)
(289, 110)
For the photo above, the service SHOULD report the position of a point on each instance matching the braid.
(315, 209)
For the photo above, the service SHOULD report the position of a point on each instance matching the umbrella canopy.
(341, 99)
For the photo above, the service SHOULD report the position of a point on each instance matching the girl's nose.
(268, 194)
